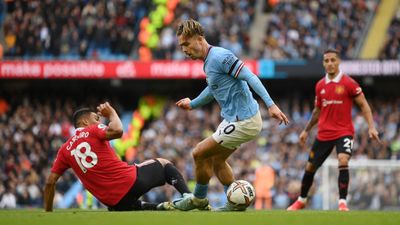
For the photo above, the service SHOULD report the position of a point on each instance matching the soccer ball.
(241, 193)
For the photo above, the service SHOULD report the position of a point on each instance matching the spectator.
(303, 30)
(391, 48)
(8, 200)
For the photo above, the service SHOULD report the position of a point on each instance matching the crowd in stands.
(72, 29)
(99, 29)
(391, 48)
(303, 30)
(32, 130)
(226, 23)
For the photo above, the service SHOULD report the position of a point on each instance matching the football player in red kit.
(112, 181)
(334, 96)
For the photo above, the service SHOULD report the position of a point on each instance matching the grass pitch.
(251, 217)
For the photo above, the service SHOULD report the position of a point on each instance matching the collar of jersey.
(79, 129)
(208, 52)
(335, 80)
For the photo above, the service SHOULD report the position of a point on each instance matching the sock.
(226, 188)
(303, 200)
(306, 183)
(343, 181)
(200, 191)
(175, 178)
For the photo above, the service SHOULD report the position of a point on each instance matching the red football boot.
(297, 205)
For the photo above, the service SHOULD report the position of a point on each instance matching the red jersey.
(93, 160)
(335, 99)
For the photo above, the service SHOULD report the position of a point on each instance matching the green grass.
(98, 217)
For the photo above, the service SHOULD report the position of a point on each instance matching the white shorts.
(232, 134)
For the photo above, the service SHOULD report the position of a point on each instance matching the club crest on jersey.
(101, 126)
(339, 90)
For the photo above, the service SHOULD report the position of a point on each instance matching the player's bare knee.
(197, 153)
(343, 159)
(163, 161)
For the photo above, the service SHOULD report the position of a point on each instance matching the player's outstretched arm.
(276, 113)
(311, 123)
(258, 87)
(366, 111)
(115, 129)
(49, 191)
(204, 98)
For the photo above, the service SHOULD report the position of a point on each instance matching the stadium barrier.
(374, 184)
(167, 69)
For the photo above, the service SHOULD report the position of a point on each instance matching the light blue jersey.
(228, 80)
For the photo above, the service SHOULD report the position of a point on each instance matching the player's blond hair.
(189, 28)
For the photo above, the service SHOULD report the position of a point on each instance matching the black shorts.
(322, 149)
(150, 174)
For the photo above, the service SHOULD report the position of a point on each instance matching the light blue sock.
(226, 188)
(200, 191)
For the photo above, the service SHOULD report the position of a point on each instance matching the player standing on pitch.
(228, 81)
(334, 95)
(113, 182)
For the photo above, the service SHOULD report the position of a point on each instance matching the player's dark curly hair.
(78, 115)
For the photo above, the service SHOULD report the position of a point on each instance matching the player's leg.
(344, 148)
(173, 176)
(222, 169)
(154, 176)
(230, 136)
(318, 154)
(224, 173)
(152, 173)
(203, 159)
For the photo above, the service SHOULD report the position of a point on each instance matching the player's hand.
(374, 134)
(105, 110)
(184, 103)
(303, 137)
(276, 113)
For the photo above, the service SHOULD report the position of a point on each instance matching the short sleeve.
(99, 130)
(353, 88)
(229, 63)
(59, 165)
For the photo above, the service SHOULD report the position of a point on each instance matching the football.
(241, 192)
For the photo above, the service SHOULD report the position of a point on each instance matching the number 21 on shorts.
(348, 144)
(82, 158)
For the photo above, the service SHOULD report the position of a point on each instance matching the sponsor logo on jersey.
(322, 91)
(331, 102)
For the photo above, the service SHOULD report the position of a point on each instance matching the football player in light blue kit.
(228, 79)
